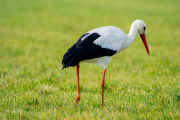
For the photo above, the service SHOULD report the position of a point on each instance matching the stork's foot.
(77, 101)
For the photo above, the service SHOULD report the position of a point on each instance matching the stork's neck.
(131, 35)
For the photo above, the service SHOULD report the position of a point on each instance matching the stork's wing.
(84, 49)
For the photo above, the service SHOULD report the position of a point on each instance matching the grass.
(34, 35)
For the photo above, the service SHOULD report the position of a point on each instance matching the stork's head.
(140, 26)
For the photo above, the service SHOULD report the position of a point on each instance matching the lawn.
(35, 34)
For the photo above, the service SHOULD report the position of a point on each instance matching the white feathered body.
(111, 38)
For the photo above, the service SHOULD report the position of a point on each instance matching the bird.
(99, 45)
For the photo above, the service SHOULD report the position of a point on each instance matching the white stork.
(99, 46)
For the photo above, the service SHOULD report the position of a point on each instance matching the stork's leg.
(103, 83)
(78, 96)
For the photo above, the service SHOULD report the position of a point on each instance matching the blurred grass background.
(34, 35)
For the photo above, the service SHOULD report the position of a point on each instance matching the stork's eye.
(144, 28)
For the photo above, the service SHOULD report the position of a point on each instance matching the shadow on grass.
(178, 98)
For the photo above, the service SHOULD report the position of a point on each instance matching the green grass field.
(35, 34)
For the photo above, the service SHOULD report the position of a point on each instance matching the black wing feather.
(85, 49)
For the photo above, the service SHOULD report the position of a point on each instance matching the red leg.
(103, 83)
(78, 96)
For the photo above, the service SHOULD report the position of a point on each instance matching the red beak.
(143, 37)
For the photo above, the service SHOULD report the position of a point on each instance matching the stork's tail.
(71, 57)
